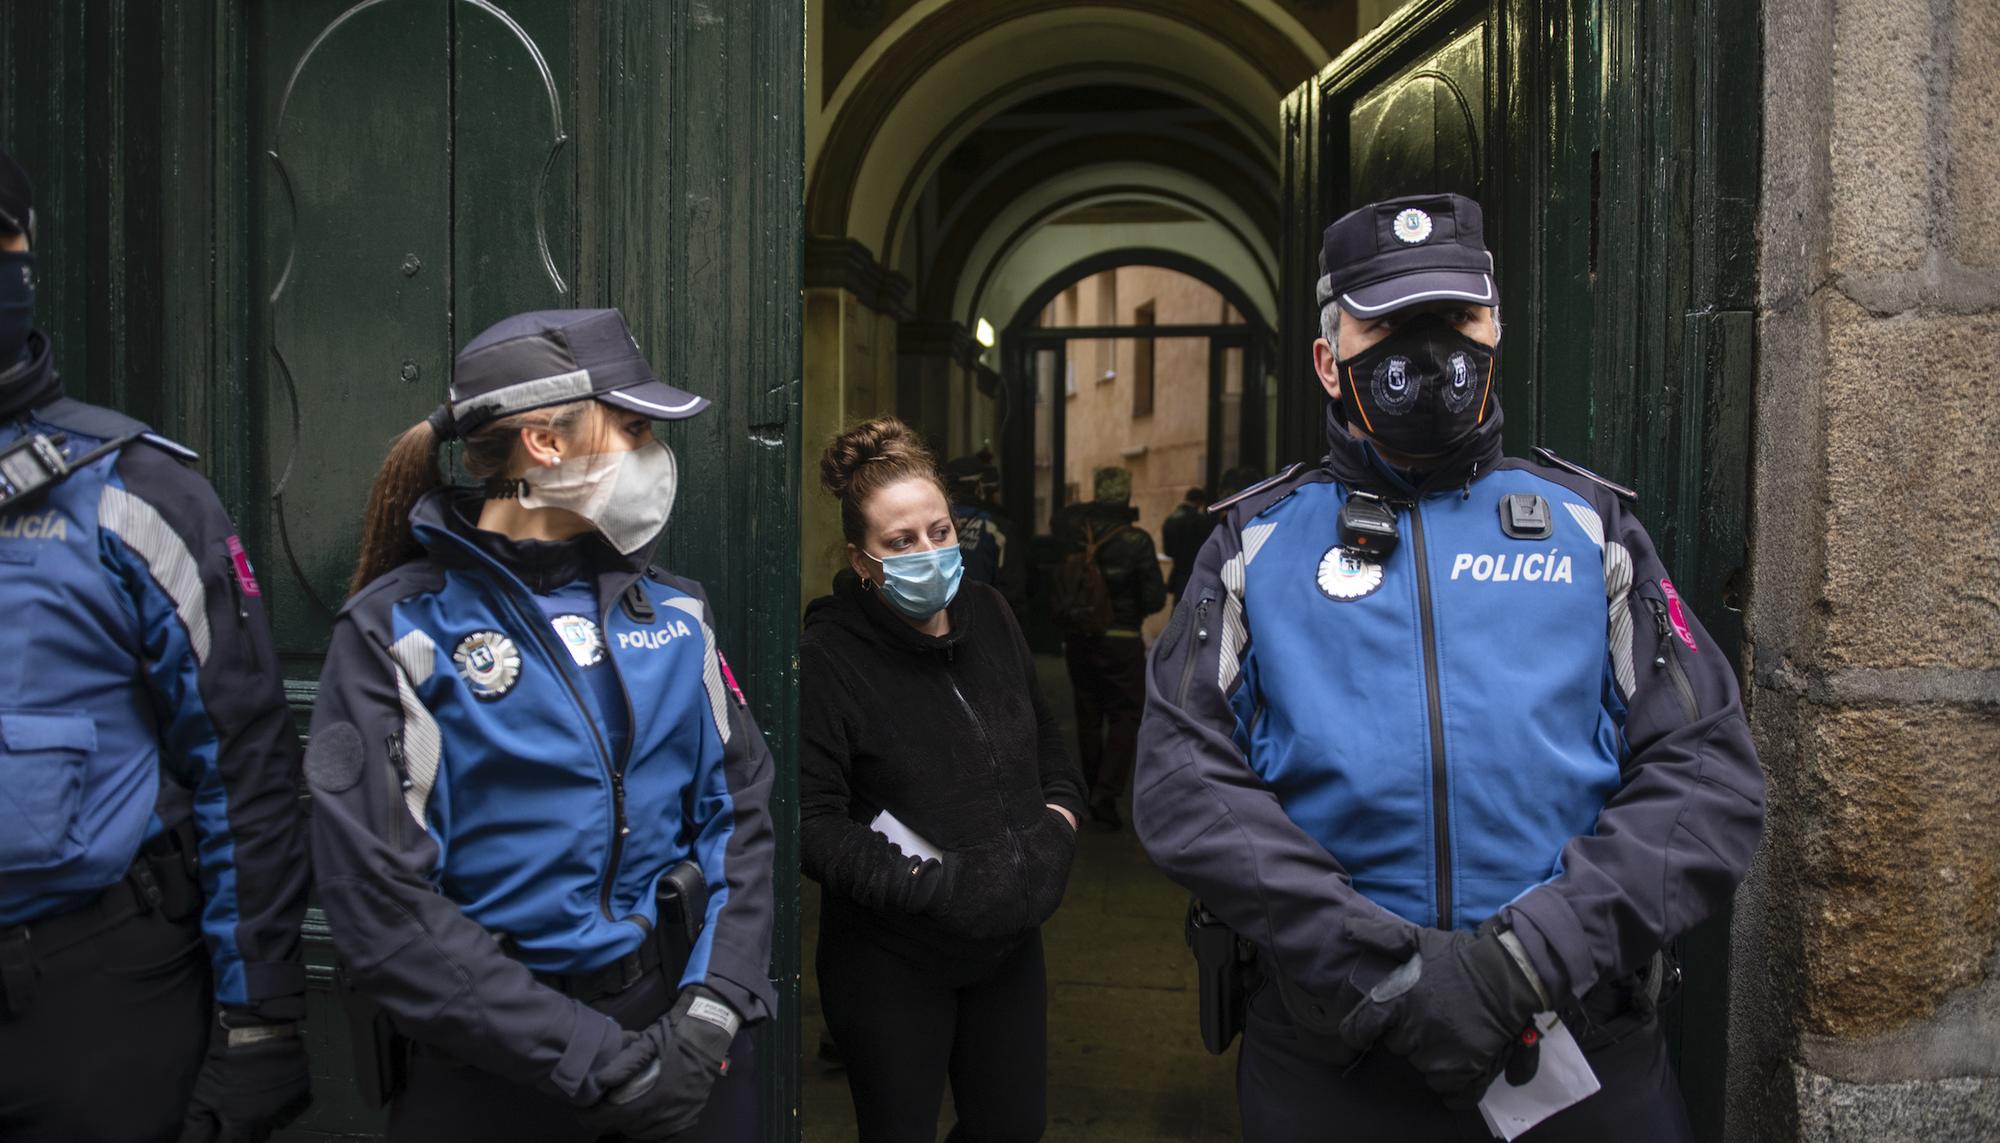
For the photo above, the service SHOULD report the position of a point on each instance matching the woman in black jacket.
(921, 720)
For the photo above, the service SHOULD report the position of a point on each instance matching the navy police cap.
(1404, 251)
(552, 357)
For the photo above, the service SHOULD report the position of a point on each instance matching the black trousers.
(904, 1028)
(1291, 1088)
(1107, 674)
(447, 1101)
(111, 1037)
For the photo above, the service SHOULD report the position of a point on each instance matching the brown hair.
(411, 470)
(868, 458)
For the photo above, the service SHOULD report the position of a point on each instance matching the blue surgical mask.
(920, 584)
(17, 304)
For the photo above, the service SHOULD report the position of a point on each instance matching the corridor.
(1126, 1064)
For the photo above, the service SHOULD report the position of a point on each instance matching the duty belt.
(157, 877)
(610, 980)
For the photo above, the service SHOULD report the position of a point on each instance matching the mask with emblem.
(1422, 391)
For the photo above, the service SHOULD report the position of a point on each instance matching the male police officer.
(148, 779)
(1434, 732)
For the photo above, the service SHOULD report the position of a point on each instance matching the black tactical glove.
(253, 1082)
(1455, 1009)
(686, 1051)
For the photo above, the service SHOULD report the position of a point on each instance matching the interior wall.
(849, 350)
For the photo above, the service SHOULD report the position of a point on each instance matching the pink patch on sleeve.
(245, 578)
(1676, 615)
(729, 680)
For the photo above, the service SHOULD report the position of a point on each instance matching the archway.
(1231, 348)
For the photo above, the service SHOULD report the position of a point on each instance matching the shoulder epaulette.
(1548, 457)
(174, 449)
(1227, 502)
(108, 424)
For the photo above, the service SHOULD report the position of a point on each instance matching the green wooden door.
(268, 227)
(1613, 146)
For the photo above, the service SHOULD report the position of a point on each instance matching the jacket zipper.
(618, 827)
(1669, 656)
(999, 796)
(399, 787)
(1200, 637)
(1440, 799)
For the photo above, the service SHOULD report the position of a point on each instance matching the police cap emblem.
(1412, 226)
(1345, 576)
(488, 662)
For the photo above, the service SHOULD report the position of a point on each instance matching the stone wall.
(1866, 1000)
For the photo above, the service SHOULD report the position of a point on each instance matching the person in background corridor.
(1108, 584)
(985, 535)
(1182, 535)
(937, 809)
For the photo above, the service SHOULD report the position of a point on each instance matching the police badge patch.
(581, 636)
(1344, 576)
(488, 662)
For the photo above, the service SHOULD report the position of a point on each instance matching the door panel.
(513, 170)
(1424, 129)
(355, 222)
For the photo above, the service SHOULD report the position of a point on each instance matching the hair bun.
(868, 458)
(884, 441)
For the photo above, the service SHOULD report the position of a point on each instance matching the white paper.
(1563, 1078)
(904, 837)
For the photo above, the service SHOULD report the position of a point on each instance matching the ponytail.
(410, 471)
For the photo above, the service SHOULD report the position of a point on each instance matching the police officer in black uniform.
(152, 861)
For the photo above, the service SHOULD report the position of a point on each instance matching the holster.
(168, 872)
(381, 1054)
(1222, 965)
(683, 901)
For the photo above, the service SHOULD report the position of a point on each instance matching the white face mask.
(626, 495)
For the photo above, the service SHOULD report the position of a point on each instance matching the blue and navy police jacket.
(476, 823)
(142, 697)
(1493, 721)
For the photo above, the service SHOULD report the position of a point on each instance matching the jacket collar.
(1358, 464)
(31, 382)
(862, 613)
(445, 523)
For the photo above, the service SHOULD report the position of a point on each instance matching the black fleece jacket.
(950, 735)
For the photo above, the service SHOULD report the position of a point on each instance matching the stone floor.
(1125, 1062)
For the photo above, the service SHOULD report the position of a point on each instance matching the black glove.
(923, 881)
(253, 1082)
(684, 1052)
(1455, 1009)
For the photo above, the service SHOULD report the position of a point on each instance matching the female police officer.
(524, 730)
(148, 770)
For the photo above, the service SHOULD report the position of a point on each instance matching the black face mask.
(1422, 391)
(17, 304)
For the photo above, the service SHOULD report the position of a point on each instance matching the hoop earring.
(867, 584)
